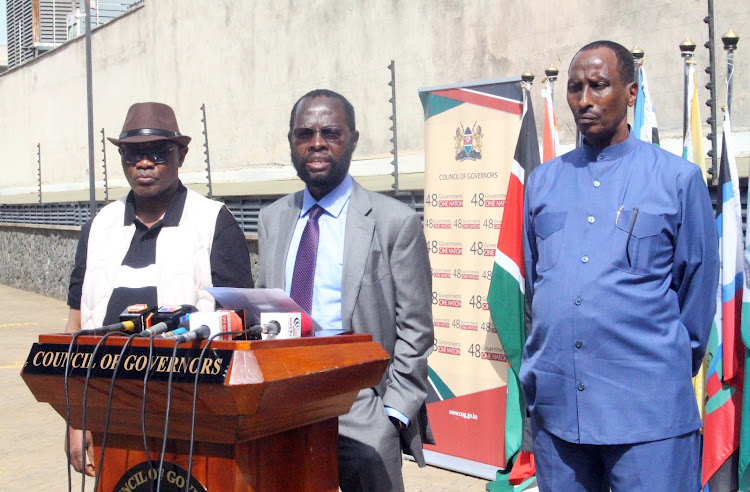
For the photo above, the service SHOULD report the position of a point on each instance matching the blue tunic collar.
(613, 152)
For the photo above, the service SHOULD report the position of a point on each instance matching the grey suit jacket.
(386, 291)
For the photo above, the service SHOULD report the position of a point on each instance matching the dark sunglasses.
(134, 156)
(328, 134)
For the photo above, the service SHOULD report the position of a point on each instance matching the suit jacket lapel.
(285, 228)
(360, 229)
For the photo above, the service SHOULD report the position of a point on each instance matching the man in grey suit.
(370, 274)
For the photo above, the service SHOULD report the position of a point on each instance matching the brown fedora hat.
(149, 122)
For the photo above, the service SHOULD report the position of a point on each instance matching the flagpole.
(550, 139)
(641, 108)
(637, 54)
(90, 112)
(638, 62)
(730, 40)
(711, 86)
(687, 48)
(551, 73)
(527, 80)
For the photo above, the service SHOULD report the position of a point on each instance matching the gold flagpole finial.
(527, 80)
(637, 56)
(551, 72)
(730, 40)
(687, 47)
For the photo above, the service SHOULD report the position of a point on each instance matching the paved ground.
(31, 448)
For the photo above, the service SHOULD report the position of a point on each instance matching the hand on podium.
(74, 449)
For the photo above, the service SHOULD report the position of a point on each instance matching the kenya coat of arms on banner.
(468, 142)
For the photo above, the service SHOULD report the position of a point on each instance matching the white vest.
(183, 258)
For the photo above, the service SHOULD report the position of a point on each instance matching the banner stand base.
(461, 465)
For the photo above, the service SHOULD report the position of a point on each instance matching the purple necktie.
(304, 265)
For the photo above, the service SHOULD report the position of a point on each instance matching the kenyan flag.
(507, 303)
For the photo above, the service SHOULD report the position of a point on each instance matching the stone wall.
(40, 258)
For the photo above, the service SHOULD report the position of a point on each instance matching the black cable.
(166, 415)
(195, 396)
(83, 416)
(67, 406)
(143, 407)
(109, 407)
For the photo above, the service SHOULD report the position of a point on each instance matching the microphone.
(167, 318)
(271, 328)
(291, 325)
(200, 333)
(131, 320)
(218, 322)
(140, 314)
(123, 326)
(173, 333)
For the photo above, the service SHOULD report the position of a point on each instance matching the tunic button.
(585, 259)
(600, 157)
(591, 219)
(596, 184)
(579, 344)
(580, 387)
(578, 301)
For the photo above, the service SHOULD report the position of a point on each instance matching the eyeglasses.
(328, 134)
(134, 156)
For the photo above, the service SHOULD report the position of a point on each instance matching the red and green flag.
(726, 351)
(507, 303)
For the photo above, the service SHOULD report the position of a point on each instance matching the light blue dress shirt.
(329, 267)
(326, 303)
(621, 256)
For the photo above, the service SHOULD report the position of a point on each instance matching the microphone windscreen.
(218, 322)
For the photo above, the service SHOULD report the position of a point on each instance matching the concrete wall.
(249, 61)
(40, 258)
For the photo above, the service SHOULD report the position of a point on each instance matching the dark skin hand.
(76, 443)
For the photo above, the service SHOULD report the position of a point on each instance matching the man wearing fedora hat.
(161, 245)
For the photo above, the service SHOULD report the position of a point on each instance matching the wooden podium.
(266, 416)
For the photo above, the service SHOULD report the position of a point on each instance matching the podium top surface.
(64, 338)
(255, 387)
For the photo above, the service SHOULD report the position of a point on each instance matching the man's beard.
(338, 169)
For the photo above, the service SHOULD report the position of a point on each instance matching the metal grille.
(61, 214)
(52, 22)
(245, 210)
(103, 12)
(415, 199)
(20, 31)
(31, 32)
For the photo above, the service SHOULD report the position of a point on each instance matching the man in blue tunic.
(621, 255)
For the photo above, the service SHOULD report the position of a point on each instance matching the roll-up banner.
(471, 132)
